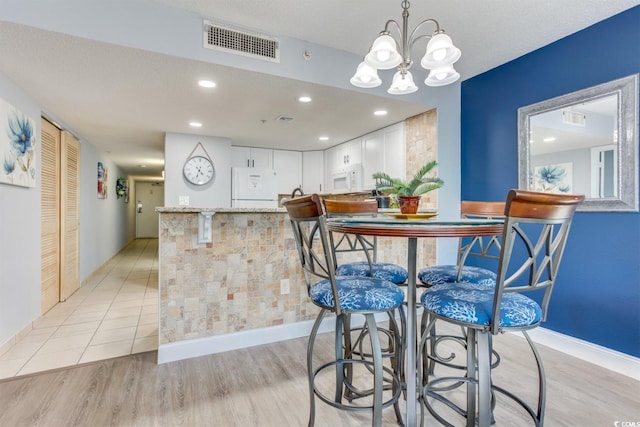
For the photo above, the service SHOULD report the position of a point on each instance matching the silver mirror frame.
(627, 90)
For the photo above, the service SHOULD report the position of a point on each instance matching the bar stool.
(487, 248)
(533, 241)
(477, 248)
(367, 247)
(345, 297)
(348, 245)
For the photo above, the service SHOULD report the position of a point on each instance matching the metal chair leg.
(312, 340)
(339, 356)
(377, 364)
(484, 378)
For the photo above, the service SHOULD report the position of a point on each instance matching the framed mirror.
(585, 142)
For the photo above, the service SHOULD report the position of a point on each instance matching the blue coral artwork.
(17, 147)
(557, 178)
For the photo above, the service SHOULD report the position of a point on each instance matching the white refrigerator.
(254, 188)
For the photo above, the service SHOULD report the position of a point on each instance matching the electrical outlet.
(284, 286)
(183, 200)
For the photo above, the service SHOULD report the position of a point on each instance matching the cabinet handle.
(253, 163)
(248, 163)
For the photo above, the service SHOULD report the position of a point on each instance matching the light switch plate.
(183, 200)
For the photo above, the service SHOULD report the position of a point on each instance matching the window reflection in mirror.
(584, 142)
(573, 149)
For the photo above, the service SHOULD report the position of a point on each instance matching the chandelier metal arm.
(413, 38)
(407, 41)
(389, 51)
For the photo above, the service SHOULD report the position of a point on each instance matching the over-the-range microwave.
(347, 180)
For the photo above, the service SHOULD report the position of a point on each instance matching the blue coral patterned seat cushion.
(358, 294)
(381, 270)
(439, 274)
(473, 304)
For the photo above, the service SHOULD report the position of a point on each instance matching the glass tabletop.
(389, 221)
(433, 227)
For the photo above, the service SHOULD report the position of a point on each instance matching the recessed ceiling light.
(549, 139)
(206, 83)
(142, 166)
(304, 99)
(380, 112)
(324, 138)
(195, 124)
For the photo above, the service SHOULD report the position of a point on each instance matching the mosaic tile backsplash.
(234, 283)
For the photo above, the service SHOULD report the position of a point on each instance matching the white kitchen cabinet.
(330, 165)
(349, 153)
(313, 172)
(251, 157)
(341, 156)
(288, 164)
(384, 151)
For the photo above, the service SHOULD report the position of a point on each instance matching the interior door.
(70, 216)
(149, 196)
(50, 215)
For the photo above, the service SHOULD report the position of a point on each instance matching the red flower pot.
(409, 204)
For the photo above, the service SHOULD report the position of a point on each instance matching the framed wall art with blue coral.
(557, 178)
(17, 147)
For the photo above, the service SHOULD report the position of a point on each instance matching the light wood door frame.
(69, 215)
(60, 215)
(50, 215)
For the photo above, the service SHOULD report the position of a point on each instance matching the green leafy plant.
(418, 185)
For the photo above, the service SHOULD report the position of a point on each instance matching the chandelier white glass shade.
(402, 83)
(442, 76)
(384, 54)
(366, 76)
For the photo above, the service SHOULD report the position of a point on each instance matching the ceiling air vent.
(573, 118)
(241, 42)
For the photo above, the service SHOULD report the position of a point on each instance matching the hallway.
(115, 313)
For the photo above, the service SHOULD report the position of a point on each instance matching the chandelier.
(384, 55)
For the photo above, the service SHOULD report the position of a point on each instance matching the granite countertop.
(193, 209)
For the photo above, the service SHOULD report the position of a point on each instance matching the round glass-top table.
(412, 230)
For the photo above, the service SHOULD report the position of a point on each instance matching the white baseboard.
(217, 344)
(601, 356)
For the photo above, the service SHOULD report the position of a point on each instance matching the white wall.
(19, 234)
(156, 27)
(104, 223)
(215, 194)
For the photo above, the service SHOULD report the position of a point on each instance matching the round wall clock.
(198, 170)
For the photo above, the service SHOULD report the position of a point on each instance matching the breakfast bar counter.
(243, 288)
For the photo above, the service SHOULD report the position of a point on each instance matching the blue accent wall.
(597, 298)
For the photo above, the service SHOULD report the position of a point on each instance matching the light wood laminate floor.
(267, 386)
(114, 313)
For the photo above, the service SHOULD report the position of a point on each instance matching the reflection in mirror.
(584, 143)
(573, 149)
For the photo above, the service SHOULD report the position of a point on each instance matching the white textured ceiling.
(122, 100)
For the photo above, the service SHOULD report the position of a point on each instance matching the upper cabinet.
(289, 167)
(251, 157)
(384, 151)
(313, 172)
(343, 155)
(379, 151)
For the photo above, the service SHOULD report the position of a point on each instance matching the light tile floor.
(113, 314)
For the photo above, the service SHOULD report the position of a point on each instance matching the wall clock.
(198, 169)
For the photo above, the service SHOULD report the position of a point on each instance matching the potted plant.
(409, 192)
